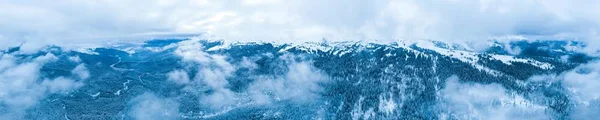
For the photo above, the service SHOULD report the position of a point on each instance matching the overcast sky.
(96, 21)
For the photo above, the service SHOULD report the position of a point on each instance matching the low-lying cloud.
(178, 76)
(584, 82)
(81, 71)
(22, 87)
(492, 101)
(300, 83)
(213, 72)
(581, 85)
(151, 107)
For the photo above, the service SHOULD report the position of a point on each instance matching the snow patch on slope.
(473, 58)
(510, 59)
(464, 56)
(455, 51)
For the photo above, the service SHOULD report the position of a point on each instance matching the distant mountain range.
(201, 79)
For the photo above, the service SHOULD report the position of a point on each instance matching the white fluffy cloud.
(76, 59)
(22, 87)
(300, 83)
(477, 101)
(55, 22)
(581, 85)
(213, 73)
(150, 107)
(584, 82)
(178, 76)
(81, 71)
(61, 84)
